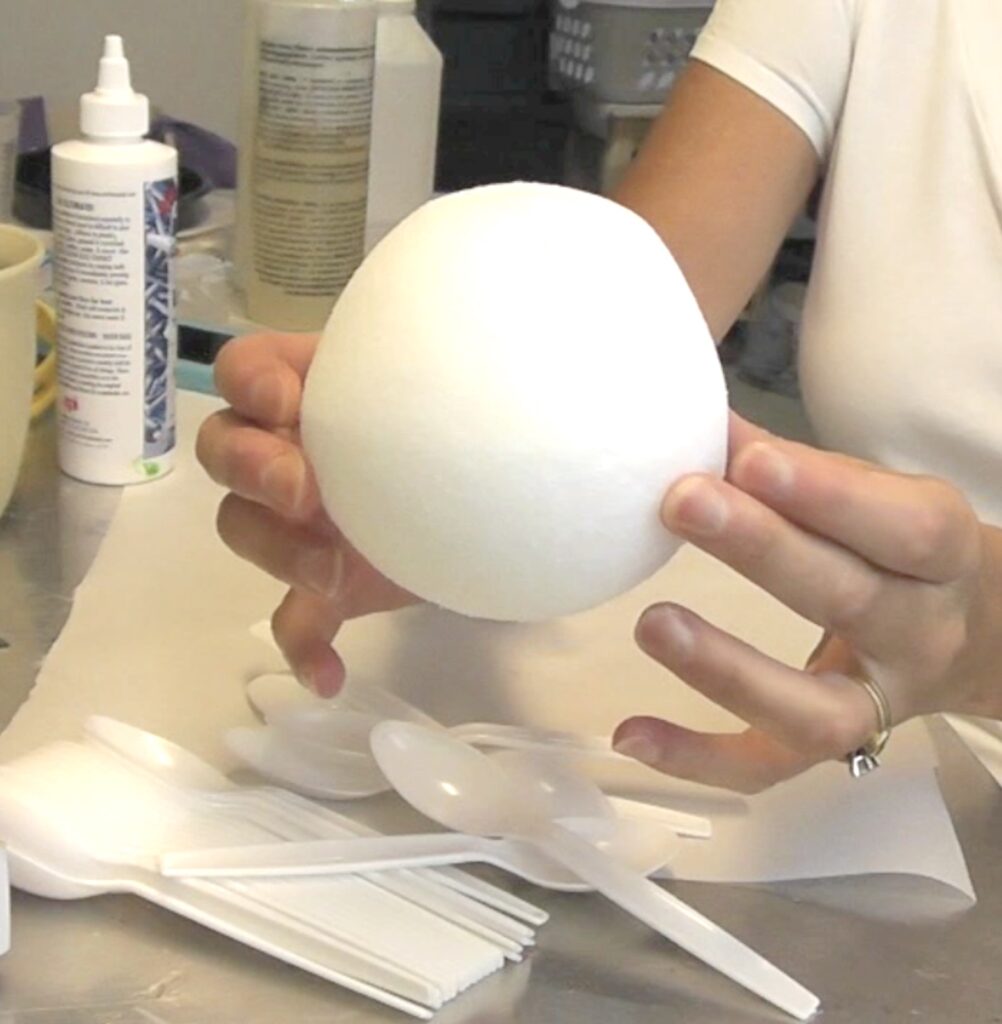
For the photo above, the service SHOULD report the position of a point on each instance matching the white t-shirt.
(901, 348)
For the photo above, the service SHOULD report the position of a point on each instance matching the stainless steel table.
(878, 949)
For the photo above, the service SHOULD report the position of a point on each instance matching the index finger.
(912, 525)
(746, 762)
(261, 375)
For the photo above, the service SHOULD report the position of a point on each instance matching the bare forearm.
(721, 177)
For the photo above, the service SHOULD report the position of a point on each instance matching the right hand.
(272, 515)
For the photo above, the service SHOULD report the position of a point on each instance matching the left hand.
(898, 571)
(272, 515)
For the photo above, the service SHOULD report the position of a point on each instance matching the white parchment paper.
(159, 636)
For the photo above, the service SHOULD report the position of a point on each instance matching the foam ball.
(502, 396)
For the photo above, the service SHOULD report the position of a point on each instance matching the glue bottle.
(114, 206)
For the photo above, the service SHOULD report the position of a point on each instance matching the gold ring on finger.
(866, 757)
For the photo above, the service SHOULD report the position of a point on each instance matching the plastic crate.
(622, 51)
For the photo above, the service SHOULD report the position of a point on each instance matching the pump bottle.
(114, 205)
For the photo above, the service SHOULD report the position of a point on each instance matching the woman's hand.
(273, 516)
(905, 581)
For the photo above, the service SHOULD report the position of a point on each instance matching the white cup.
(20, 257)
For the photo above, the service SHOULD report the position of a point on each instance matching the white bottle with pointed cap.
(114, 203)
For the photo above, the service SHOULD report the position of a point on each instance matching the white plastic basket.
(622, 51)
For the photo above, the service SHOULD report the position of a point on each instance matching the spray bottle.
(114, 205)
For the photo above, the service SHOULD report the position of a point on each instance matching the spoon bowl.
(311, 767)
(43, 861)
(561, 790)
(453, 783)
(163, 755)
(344, 733)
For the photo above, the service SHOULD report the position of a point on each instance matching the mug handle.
(45, 372)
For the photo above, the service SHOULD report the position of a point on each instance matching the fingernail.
(284, 480)
(766, 469)
(640, 748)
(267, 396)
(320, 570)
(321, 682)
(661, 624)
(694, 506)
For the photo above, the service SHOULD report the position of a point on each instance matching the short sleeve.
(795, 54)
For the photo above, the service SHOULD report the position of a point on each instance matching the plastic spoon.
(276, 695)
(177, 766)
(463, 789)
(121, 815)
(303, 749)
(59, 881)
(644, 847)
(47, 860)
(340, 738)
(570, 794)
(312, 768)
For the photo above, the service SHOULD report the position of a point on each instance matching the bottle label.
(117, 329)
(311, 149)
(160, 217)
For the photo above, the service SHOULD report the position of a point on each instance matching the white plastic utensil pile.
(644, 842)
(127, 811)
(519, 795)
(80, 820)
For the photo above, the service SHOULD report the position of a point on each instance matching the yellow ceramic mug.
(20, 257)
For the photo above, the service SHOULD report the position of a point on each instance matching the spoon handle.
(669, 916)
(520, 737)
(694, 826)
(327, 856)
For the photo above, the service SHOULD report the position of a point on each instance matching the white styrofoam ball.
(502, 396)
